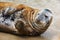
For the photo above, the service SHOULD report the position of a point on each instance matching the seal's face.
(43, 17)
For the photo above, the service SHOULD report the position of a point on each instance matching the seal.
(24, 20)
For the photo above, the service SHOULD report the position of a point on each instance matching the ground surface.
(53, 32)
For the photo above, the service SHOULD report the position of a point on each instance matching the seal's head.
(42, 20)
(43, 17)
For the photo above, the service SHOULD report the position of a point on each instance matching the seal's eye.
(46, 16)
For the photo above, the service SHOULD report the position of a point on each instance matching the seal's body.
(24, 20)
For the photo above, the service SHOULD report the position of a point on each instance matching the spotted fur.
(23, 20)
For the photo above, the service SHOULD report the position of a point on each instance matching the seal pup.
(24, 20)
